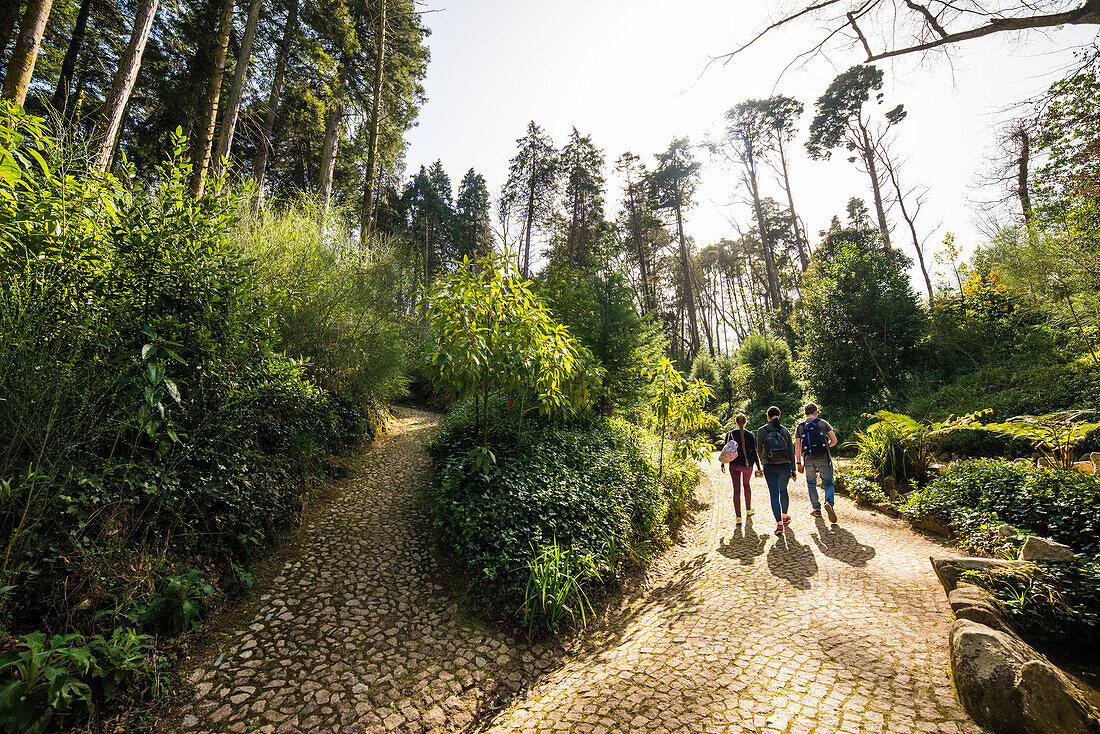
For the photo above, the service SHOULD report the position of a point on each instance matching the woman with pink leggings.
(741, 467)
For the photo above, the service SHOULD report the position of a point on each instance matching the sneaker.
(816, 513)
(748, 513)
(786, 518)
(779, 529)
(830, 512)
(738, 520)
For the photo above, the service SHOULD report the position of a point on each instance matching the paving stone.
(826, 629)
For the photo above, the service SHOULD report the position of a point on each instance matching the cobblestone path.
(830, 629)
(357, 633)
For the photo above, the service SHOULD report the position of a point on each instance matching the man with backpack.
(812, 439)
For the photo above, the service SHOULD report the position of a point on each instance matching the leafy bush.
(151, 419)
(586, 485)
(975, 496)
(1057, 601)
(769, 379)
(899, 446)
(341, 310)
(861, 487)
(490, 332)
(179, 608)
(1015, 387)
(860, 317)
(598, 309)
(68, 674)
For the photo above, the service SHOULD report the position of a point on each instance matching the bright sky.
(633, 74)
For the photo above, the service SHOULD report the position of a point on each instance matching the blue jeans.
(821, 466)
(777, 476)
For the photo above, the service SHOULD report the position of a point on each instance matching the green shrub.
(1015, 387)
(68, 674)
(902, 447)
(340, 310)
(179, 608)
(975, 496)
(556, 588)
(586, 485)
(1056, 601)
(860, 318)
(769, 379)
(862, 487)
(150, 418)
(598, 309)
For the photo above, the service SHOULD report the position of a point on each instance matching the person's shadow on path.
(744, 545)
(788, 559)
(839, 543)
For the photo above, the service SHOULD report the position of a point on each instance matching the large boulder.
(972, 602)
(984, 662)
(1009, 688)
(1044, 549)
(948, 569)
(1051, 703)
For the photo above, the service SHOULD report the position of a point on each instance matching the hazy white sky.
(633, 75)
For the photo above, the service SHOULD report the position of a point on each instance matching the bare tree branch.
(893, 21)
(931, 19)
(1084, 15)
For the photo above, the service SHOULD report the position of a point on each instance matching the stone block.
(1050, 702)
(948, 569)
(984, 664)
(972, 602)
(1044, 549)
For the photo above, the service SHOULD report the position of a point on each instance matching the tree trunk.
(765, 245)
(236, 89)
(530, 225)
(686, 262)
(259, 166)
(872, 171)
(636, 230)
(333, 122)
(803, 258)
(68, 65)
(375, 123)
(204, 138)
(1022, 191)
(122, 85)
(25, 52)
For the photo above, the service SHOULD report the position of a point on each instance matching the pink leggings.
(740, 476)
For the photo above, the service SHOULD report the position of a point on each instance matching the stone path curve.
(826, 630)
(829, 629)
(358, 633)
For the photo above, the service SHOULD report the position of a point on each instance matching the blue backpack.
(816, 442)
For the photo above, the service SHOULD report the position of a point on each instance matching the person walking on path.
(777, 452)
(741, 466)
(812, 439)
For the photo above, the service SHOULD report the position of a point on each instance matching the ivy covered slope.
(167, 404)
(543, 499)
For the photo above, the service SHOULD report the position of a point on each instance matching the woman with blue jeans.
(776, 448)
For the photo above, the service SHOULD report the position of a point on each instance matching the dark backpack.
(777, 447)
(816, 442)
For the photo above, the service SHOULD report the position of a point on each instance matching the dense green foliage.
(1049, 601)
(861, 319)
(586, 485)
(598, 308)
(977, 496)
(168, 403)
